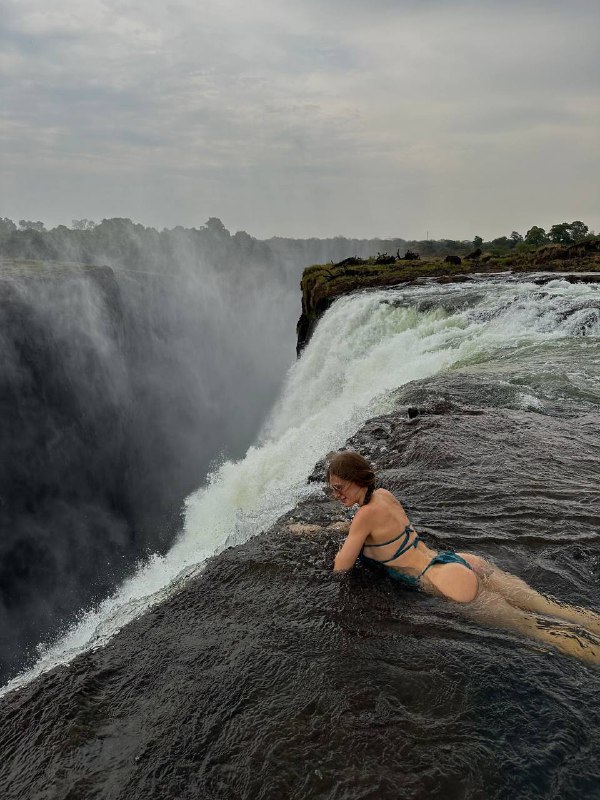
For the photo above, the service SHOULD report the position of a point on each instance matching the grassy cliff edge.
(321, 284)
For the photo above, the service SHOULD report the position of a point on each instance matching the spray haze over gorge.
(119, 387)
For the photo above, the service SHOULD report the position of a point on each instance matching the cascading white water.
(365, 346)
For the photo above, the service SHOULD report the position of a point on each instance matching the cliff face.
(323, 283)
(267, 676)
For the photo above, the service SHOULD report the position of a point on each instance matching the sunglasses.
(335, 491)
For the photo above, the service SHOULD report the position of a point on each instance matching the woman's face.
(346, 492)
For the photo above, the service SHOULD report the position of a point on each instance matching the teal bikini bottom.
(443, 557)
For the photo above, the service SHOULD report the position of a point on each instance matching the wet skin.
(380, 520)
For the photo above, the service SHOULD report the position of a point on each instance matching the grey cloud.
(394, 102)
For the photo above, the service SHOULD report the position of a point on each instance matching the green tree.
(28, 225)
(6, 226)
(579, 231)
(536, 236)
(83, 224)
(561, 233)
(501, 243)
(516, 237)
(215, 225)
(477, 241)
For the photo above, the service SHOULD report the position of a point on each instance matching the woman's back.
(387, 517)
(392, 539)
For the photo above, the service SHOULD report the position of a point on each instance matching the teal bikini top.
(404, 546)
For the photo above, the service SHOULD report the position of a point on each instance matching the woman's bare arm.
(350, 550)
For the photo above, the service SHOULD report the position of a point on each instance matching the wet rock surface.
(269, 677)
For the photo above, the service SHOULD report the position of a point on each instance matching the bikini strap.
(404, 545)
(406, 533)
(404, 548)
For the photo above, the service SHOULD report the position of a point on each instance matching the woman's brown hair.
(351, 466)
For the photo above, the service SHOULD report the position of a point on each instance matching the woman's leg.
(492, 609)
(521, 595)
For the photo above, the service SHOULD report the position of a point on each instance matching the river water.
(353, 689)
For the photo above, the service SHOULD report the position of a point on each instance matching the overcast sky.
(302, 117)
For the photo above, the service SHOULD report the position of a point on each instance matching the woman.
(381, 532)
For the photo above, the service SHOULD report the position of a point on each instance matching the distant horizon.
(232, 230)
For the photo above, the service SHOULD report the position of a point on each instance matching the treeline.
(120, 242)
(561, 233)
(564, 233)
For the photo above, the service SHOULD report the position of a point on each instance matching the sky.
(404, 118)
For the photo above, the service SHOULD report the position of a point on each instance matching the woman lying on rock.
(382, 533)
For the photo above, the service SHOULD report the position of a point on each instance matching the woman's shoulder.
(381, 503)
(386, 500)
(383, 494)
